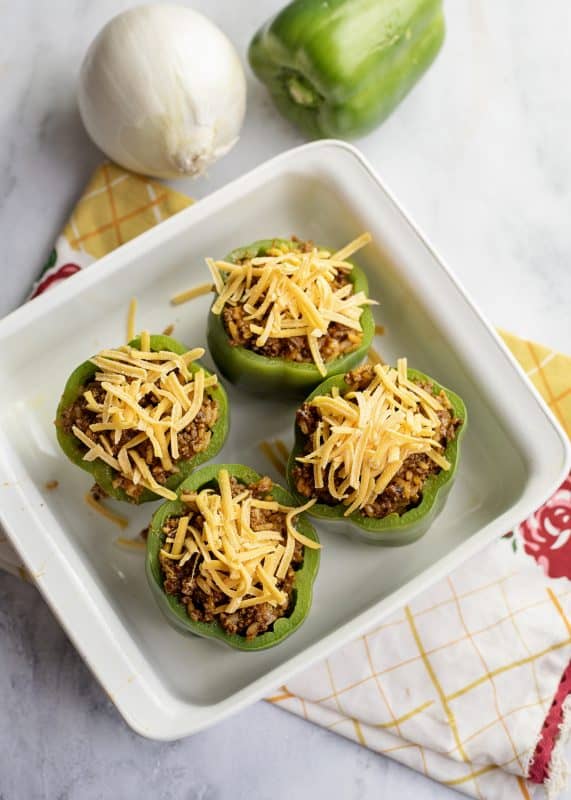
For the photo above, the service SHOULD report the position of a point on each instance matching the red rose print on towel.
(547, 533)
(54, 277)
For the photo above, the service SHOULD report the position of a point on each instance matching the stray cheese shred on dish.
(191, 294)
(374, 356)
(246, 565)
(119, 520)
(364, 437)
(131, 315)
(291, 293)
(135, 545)
(279, 464)
(127, 376)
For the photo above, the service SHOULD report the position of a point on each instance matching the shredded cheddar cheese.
(128, 376)
(364, 437)
(135, 545)
(292, 293)
(374, 357)
(122, 522)
(277, 462)
(131, 314)
(246, 565)
(191, 294)
(280, 446)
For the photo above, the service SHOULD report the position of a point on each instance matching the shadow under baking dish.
(426, 318)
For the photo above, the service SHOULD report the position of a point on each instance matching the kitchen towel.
(469, 683)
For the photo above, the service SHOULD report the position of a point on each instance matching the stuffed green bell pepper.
(337, 68)
(140, 418)
(232, 559)
(288, 314)
(378, 448)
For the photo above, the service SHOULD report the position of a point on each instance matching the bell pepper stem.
(301, 91)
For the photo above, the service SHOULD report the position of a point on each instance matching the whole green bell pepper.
(261, 374)
(394, 529)
(102, 473)
(175, 611)
(337, 68)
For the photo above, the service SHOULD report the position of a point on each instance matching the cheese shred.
(374, 356)
(289, 293)
(122, 522)
(245, 564)
(191, 294)
(364, 437)
(275, 460)
(135, 545)
(131, 315)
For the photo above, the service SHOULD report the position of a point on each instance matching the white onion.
(162, 91)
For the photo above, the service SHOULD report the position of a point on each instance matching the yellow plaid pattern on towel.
(455, 685)
(117, 206)
(549, 371)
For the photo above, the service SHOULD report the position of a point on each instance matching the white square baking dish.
(514, 454)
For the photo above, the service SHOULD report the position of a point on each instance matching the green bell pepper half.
(102, 473)
(175, 611)
(259, 374)
(337, 68)
(394, 529)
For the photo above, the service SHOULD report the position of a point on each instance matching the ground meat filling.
(404, 492)
(338, 341)
(180, 581)
(192, 440)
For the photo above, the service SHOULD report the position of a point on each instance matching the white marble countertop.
(479, 155)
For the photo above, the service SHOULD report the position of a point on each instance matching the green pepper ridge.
(102, 473)
(172, 607)
(261, 374)
(394, 529)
